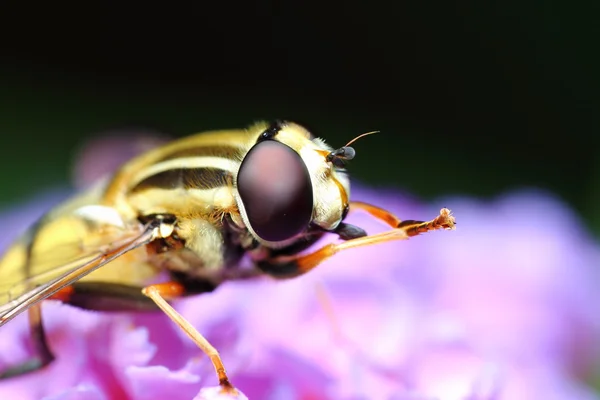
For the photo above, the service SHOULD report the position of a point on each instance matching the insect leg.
(42, 353)
(294, 265)
(390, 219)
(98, 296)
(105, 296)
(162, 291)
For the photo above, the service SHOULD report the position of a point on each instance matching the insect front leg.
(412, 228)
(42, 353)
(289, 266)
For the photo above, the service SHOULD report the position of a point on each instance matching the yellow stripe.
(138, 169)
(186, 178)
(229, 152)
(197, 163)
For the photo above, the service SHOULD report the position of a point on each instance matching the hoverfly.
(190, 210)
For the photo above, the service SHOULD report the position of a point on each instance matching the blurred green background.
(471, 98)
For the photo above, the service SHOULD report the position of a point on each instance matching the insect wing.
(17, 305)
(66, 245)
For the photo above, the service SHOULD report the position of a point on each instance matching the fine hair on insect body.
(190, 210)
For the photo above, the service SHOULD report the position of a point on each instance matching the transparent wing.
(70, 242)
(70, 273)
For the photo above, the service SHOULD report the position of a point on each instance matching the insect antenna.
(345, 153)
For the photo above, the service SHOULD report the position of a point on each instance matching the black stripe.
(186, 178)
(271, 131)
(222, 151)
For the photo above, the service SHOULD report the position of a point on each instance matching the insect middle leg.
(159, 294)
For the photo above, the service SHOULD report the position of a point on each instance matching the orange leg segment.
(63, 294)
(379, 213)
(171, 290)
(291, 266)
(443, 221)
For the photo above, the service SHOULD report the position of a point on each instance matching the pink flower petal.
(80, 392)
(503, 308)
(216, 393)
(157, 382)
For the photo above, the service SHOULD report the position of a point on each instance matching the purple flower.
(502, 308)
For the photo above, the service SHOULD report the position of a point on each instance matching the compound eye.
(276, 190)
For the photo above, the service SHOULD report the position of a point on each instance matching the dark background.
(473, 98)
